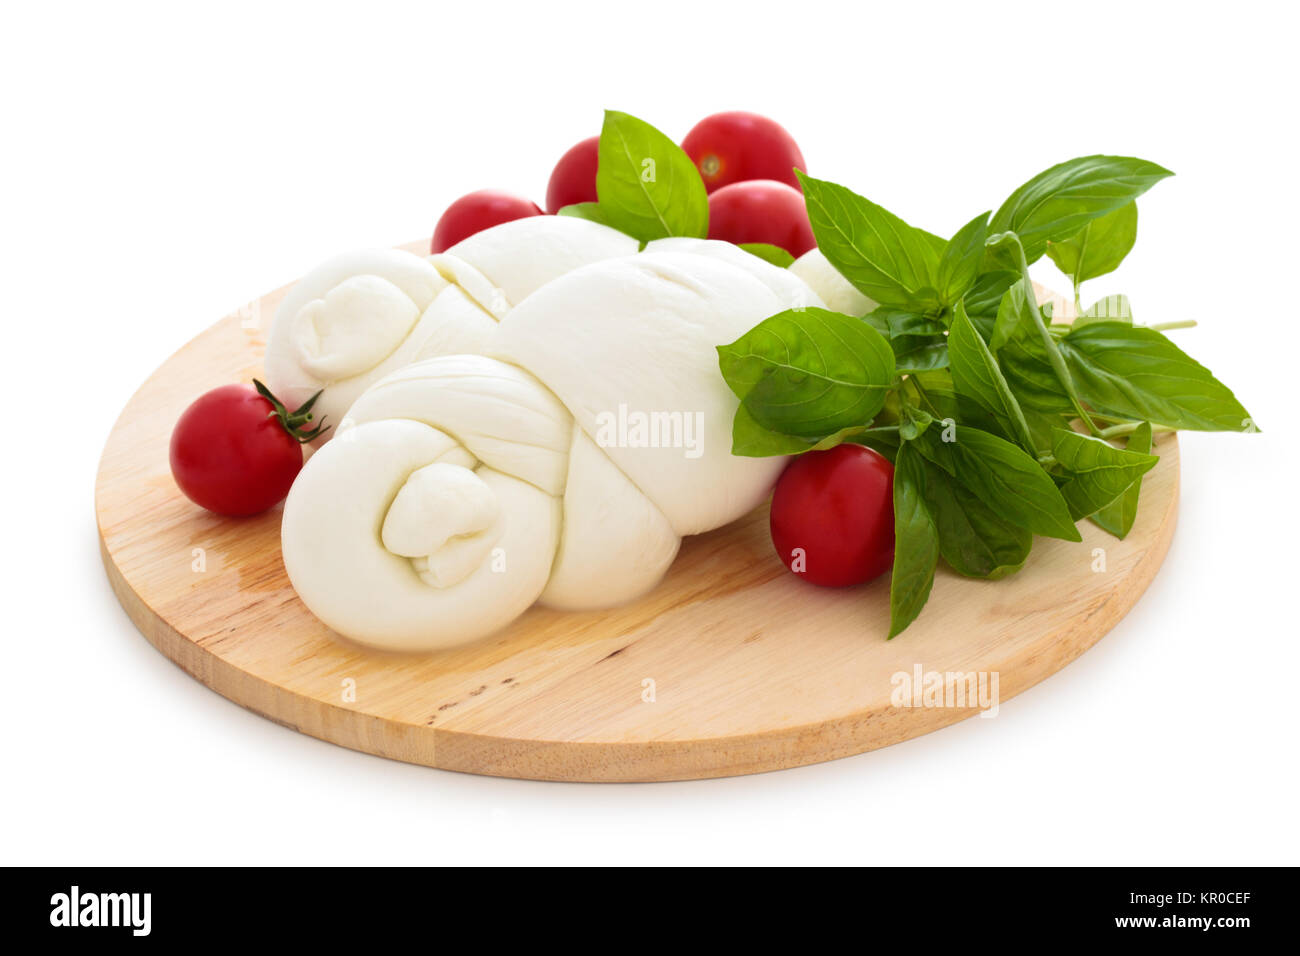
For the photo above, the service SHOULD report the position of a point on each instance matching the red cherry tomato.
(761, 210)
(477, 211)
(833, 515)
(733, 147)
(236, 452)
(574, 177)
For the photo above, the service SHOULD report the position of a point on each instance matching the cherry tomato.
(761, 210)
(477, 211)
(236, 450)
(574, 177)
(833, 515)
(733, 147)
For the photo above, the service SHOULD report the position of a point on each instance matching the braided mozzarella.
(464, 488)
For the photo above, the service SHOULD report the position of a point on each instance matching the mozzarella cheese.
(836, 291)
(564, 465)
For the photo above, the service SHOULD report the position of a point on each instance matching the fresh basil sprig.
(971, 388)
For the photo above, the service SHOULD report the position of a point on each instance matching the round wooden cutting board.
(732, 665)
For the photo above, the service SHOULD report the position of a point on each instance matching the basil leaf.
(960, 263)
(1015, 316)
(1118, 516)
(585, 210)
(918, 340)
(1060, 201)
(960, 409)
(883, 441)
(913, 422)
(1028, 371)
(916, 542)
(749, 439)
(768, 253)
(648, 187)
(1005, 478)
(1030, 375)
(1042, 424)
(809, 372)
(1097, 248)
(1113, 308)
(975, 374)
(985, 296)
(883, 257)
(1136, 373)
(920, 353)
(840, 437)
(895, 323)
(973, 539)
(1097, 471)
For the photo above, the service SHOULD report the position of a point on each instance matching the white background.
(162, 165)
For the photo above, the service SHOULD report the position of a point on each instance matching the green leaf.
(1118, 516)
(769, 253)
(1015, 317)
(920, 353)
(1136, 373)
(960, 263)
(985, 297)
(749, 439)
(973, 539)
(648, 187)
(918, 340)
(1113, 308)
(1097, 471)
(883, 441)
(1042, 424)
(976, 375)
(1005, 478)
(1097, 248)
(809, 372)
(887, 260)
(897, 323)
(916, 542)
(1029, 372)
(584, 210)
(913, 422)
(1057, 203)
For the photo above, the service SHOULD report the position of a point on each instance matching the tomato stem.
(294, 421)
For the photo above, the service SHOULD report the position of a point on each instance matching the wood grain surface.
(731, 666)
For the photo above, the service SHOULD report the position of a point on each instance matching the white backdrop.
(162, 166)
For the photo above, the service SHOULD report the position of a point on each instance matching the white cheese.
(835, 290)
(563, 467)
